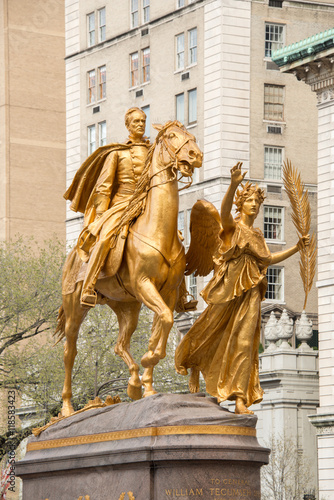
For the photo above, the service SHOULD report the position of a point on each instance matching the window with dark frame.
(274, 38)
(273, 223)
(275, 284)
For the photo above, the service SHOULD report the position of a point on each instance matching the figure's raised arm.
(227, 203)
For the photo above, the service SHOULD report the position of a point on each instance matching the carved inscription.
(218, 489)
(184, 492)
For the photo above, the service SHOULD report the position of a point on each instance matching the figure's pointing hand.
(236, 175)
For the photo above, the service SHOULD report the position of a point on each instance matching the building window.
(91, 139)
(192, 106)
(273, 223)
(180, 51)
(146, 11)
(192, 46)
(273, 159)
(102, 74)
(180, 3)
(102, 24)
(146, 65)
(146, 110)
(102, 133)
(192, 285)
(134, 73)
(134, 13)
(275, 284)
(91, 87)
(274, 38)
(180, 107)
(273, 102)
(91, 29)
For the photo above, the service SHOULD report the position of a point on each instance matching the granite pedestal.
(165, 446)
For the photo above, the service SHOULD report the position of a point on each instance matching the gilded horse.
(152, 265)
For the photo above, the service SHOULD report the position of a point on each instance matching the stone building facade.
(311, 61)
(32, 119)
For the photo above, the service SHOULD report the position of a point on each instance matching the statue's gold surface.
(141, 221)
(166, 430)
(223, 343)
(301, 218)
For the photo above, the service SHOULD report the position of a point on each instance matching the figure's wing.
(205, 225)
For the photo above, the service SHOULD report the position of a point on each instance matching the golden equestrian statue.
(223, 343)
(146, 263)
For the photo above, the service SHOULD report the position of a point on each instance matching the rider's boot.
(96, 261)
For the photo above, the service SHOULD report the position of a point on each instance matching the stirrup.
(88, 297)
(191, 305)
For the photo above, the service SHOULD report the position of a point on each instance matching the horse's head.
(181, 147)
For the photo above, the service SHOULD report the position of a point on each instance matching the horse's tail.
(60, 330)
(70, 272)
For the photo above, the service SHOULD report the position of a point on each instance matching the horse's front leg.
(127, 315)
(74, 315)
(162, 324)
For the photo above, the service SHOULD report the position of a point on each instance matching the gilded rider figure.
(113, 172)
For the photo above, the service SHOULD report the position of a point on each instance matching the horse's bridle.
(173, 164)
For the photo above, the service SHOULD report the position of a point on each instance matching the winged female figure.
(223, 343)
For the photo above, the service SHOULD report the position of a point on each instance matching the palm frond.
(301, 218)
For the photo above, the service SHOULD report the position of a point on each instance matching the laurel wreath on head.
(301, 218)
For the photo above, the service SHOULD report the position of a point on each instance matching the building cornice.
(305, 50)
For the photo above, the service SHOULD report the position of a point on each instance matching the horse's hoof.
(149, 359)
(67, 410)
(149, 393)
(134, 392)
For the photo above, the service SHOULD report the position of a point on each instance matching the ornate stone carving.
(304, 332)
(271, 331)
(285, 330)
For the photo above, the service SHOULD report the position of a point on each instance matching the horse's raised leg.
(74, 315)
(127, 315)
(162, 324)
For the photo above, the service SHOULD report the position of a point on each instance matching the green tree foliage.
(30, 296)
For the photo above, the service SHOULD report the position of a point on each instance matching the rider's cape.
(86, 177)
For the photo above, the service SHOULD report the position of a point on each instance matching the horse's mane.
(137, 202)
